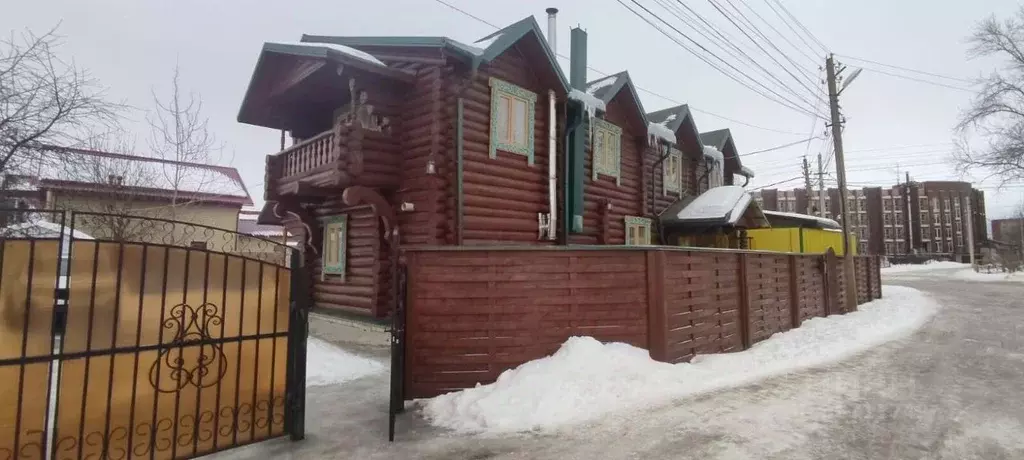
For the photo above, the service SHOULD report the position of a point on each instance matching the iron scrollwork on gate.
(191, 327)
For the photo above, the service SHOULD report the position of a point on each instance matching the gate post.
(298, 333)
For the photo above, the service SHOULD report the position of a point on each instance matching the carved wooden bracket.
(292, 208)
(359, 195)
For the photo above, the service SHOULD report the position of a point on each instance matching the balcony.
(349, 154)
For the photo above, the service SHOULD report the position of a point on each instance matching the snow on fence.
(473, 313)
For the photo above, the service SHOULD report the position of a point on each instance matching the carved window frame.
(606, 160)
(641, 231)
(335, 242)
(669, 183)
(500, 89)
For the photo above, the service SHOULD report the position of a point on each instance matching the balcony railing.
(307, 155)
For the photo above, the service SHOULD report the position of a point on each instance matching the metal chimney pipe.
(552, 29)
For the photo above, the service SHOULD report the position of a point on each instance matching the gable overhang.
(623, 88)
(683, 126)
(527, 28)
(281, 68)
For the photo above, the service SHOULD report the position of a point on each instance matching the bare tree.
(180, 132)
(44, 100)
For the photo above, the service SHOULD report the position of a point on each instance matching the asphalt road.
(953, 390)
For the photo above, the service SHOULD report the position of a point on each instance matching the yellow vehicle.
(801, 233)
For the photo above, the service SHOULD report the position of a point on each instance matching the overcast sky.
(132, 46)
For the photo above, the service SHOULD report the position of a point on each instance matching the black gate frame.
(186, 317)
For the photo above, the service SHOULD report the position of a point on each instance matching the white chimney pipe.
(552, 29)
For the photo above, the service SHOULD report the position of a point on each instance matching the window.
(198, 245)
(115, 180)
(887, 218)
(335, 245)
(899, 232)
(606, 149)
(672, 172)
(887, 204)
(888, 233)
(638, 231)
(512, 119)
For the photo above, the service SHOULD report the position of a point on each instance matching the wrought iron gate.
(128, 337)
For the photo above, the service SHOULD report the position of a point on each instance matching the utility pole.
(837, 140)
(808, 186)
(821, 189)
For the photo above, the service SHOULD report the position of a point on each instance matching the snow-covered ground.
(586, 379)
(949, 270)
(926, 267)
(327, 364)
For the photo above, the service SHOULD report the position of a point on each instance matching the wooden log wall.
(476, 312)
(424, 135)
(357, 292)
(625, 197)
(502, 195)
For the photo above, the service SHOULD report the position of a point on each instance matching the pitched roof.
(608, 87)
(719, 139)
(66, 168)
(674, 118)
(482, 51)
(716, 139)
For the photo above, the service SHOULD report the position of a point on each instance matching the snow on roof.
(361, 55)
(660, 131)
(714, 154)
(38, 228)
(669, 119)
(598, 84)
(824, 222)
(727, 202)
(486, 42)
(746, 172)
(96, 168)
(591, 102)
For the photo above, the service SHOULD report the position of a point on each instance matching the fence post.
(298, 333)
(831, 280)
(657, 308)
(744, 302)
(794, 290)
(867, 274)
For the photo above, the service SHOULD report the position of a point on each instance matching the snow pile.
(971, 275)
(714, 154)
(586, 379)
(931, 265)
(746, 172)
(591, 102)
(660, 131)
(486, 42)
(327, 364)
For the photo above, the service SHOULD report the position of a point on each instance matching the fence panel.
(703, 301)
(475, 313)
(811, 287)
(768, 290)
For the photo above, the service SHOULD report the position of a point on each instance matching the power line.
(674, 101)
(777, 183)
(919, 80)
(727, 44)
(801, 26)
(758, 31)
(877, 149)
(963, 80)
(787, 103)
(795, 47)
(808, 140)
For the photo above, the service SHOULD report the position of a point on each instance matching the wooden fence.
(475, 312)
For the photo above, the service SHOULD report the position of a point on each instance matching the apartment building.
(1009, 231)
(925, 218)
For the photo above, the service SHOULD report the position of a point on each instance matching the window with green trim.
(672, 172)
(335, 245)
(512, 119)
(606, 149)
(638, 231)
